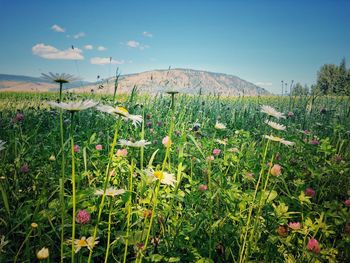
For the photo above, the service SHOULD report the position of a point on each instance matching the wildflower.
(216, 152)
(278, 139)
(278, 157)
(294, 225)
(18, 118)
(337, 158)
(166, 141)
(282, 231)
(82, 217)
(314, 142)
(74, 106)
(219, 126)
(250, 176)
(196, 127)
(149, 124)
(2, 143)
(313, 246)
(310, 192)
(210, 158)
(307, 132)
(76, 148)
(276, 170)
(122, 152)
(223, 142)
(148, 116)
(159, 123)
(111, 191)
(203, 187)
(138, 144)
(347, 202)
(98, 147)
(147, 213)
(271, 112)
(84, 242)
(233, 150)
(163, 177)
(42, 253)
(34, 225)
(59, 78)
(290, 114)
(52, 158)
(25, 168)
(275, 125)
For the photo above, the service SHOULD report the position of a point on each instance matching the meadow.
(174, 178)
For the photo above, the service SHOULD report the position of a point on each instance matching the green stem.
(73, 185)
(210, 208)
(20, 248)
(129, 211)
(61, 181)
(109, 230)
(243, 250)
(107, 176)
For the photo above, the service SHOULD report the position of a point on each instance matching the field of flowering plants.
(174, 178)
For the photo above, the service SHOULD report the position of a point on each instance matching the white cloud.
(79, 35)
(104, 61)
(101, 48)
(135, 44)
(264, 84)
(57, 28)
(147, 34)
(88, 47)
(50, 52)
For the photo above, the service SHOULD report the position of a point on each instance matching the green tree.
(299, 90)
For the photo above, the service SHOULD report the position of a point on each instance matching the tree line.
(331, 80)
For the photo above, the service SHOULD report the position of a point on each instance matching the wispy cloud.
(135, 44)
(104, 61)
(101, 48)
(263, 84)
(147, 34)
(88, 47)
(50, 52)
(79, 35)
(57, 28)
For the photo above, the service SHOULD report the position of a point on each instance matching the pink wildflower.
(25, 168)
(294, 225)
(276, 170)
(313, 246)
(314, 142)
(203, 187)
(82, 217)
(76, 148)
(18, 118)
(216, 152)
(98, 147)
(310, 192)
(166, 141)
(122, 152)
(347, 202)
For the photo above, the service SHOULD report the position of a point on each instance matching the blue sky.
(263, 42)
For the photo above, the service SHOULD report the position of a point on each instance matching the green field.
(227, 185)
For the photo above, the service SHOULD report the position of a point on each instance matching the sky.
(263, 42)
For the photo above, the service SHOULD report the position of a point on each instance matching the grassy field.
(202, 179)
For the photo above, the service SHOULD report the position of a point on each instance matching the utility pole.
(282, 87)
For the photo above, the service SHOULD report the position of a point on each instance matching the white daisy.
(2, 143)
(74, 105)
(59, 78)
(275, 125)
(84, 242)
(121, 111)
(272, 112)
(220, 126)
(138, 144)
(164, 177)
(111, 191)
(279, 139)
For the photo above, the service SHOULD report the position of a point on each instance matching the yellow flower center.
(82, 243)
(159, 175)
(122, 110)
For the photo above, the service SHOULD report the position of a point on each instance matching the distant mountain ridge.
(188, 81)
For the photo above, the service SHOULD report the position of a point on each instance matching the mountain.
(32, 84)
(183, 80)
(156, 81)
